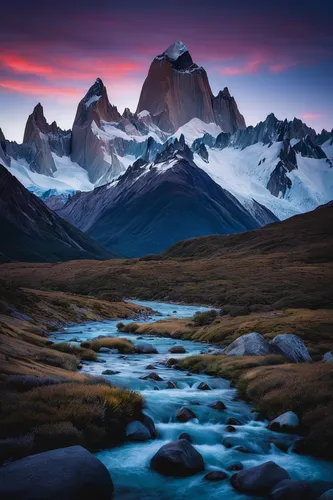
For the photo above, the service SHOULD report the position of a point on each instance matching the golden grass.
(124, 346)
(95, 412)
(79, 352)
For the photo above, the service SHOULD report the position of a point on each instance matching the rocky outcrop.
(251, 344)
(307, 148)
(178, 458)
(30, 231)
(288, 422)
(177, 90)
(259, 480)
(293, 490)
(66, 473)
(291, 346)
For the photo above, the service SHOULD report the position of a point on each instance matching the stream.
(129, 463)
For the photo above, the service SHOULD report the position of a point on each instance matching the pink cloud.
(34, 88)
(312, 116)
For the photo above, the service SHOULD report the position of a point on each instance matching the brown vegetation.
(124, 346)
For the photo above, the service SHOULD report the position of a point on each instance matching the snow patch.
(195, 129)
(175, 50)
(92, 99)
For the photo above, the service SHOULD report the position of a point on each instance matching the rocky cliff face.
(177, 90)
(32, 232)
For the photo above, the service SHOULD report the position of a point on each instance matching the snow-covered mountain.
(274, 170)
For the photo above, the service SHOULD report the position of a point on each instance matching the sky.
(274, 56)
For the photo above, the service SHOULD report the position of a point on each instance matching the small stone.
(235, 466)
(230, 428)
(152, 376)
(185, 414)
(218, 405)
(204, 387)
(186, 436)
(109, 372)
(150, 367)
(171, 385)
(242, 449)
(233, 421)
(177, 349)
(216, 475)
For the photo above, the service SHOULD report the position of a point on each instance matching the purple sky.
(274, 57)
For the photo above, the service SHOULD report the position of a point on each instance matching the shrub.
(124, 346)
(59, 359)
(128, 328)
(235, 310)
(15, 448)
(22, 383)
(80, 352)
(57, 435)
(204, 318)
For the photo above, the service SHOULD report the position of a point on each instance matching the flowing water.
(129, 463)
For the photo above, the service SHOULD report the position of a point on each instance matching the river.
(129, 463)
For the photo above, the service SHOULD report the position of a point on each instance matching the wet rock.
(230, 428)
(109, 372)
(259, 480)
(233, 421)
(74, 339)
(186, 436)
(287, 422)
(328, 357)
(291, 347)
(150, 367)
(189, 374)
(177, 349)
(171, 385)
(145, 348)
(137, 431)
(328, 495)
(251, 344)
(218, 405)
(149, 423)
(185, 414)
(65, 474)
(293, 490)
(178, 458)
(106, 350)
(171, 361)
(235, 466)
(152, 376)
(100, 361)
(242, 449)
(204, 387)
(216, 475)
(227, 443)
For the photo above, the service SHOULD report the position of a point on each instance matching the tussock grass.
(79, 352)
(124, 346)
(92, 414)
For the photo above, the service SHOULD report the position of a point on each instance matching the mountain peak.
(2, 136)
(175, 50)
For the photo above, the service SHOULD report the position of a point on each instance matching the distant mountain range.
(184, 164)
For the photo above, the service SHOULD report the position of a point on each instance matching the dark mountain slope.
(32, 232)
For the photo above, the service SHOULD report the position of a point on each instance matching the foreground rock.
(185, 414)
(137, 431)
(66, 474)
(251, 344)
(328, 495)
(145, 348)
(293, 490)
(259, 480)
(149, 423)
(177, 349)
(216, 475)
(291, 347)
(288, 422)
(178, 458)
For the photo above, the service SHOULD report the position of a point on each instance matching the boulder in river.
(186, 436)
(177, 349)
(230, 428)
(150, 367)
(178, 458)
(109, 372)
(185, 414)
(149, 423)
(204, 387)
(291, 347)
(218, 405)
(137, 431)
(152, 376)
(328, 357)
(145, 348)
(328, 495)
(233, 421)
(259, 480)
(65, 473)
(293, 490)
(216, 475)
(251, 344)
(106, 350)
(287, 422)
(236, 466)
(171, 385)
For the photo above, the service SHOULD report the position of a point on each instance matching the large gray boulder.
(259, 480)
(291, 346)
(293, 490)
(137, 431)
(145, 348)
(66, 474)
(328, 495)
(178, 458)
(328, 357)
(288, 421)
(251, 344)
